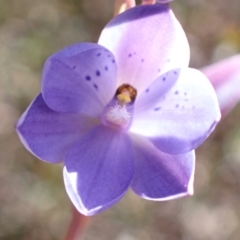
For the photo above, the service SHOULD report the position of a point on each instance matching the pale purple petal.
(75, 49)
(79, 78)
(225, 77)
(98, 169)
(145, 41)
(47, 134)
(180, 120)
(160, 176)
(156, 91)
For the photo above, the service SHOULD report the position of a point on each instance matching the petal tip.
(167, 198)
(190, 189)
(89, 212)
(83, 209)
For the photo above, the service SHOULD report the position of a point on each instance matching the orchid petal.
(160, 176)
(183, 118)
(98, 169)
(156, 91)
(47, 134)
(80, 78)
(145, 41)
(225, 77)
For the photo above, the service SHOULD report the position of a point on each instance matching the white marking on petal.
(118, 115)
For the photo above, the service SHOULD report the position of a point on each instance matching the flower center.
(119, 110)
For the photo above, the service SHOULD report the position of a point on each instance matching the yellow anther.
(124, 98)
(126, 93)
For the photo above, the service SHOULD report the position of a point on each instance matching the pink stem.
(130, 3)
(145, 2)
(225, 78)
(123, 5)
(77, 225)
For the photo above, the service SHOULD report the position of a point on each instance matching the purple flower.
(126, 112)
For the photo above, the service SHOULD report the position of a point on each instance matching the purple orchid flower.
(126, 112)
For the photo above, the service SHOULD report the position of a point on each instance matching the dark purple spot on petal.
(176, 92)
(106, 68)
(177, 106)
(74, 67)
(88, 78)
(105, 50)
(147, 90)
(99, 54)
(164, 79)
(142, 60)
(159, 70)
(129, 55)
(134, 53)
(175, 72)
(109, 55)
(95, 86)
(185, 93)
(98, 73)
(157, 108)
(113, 61)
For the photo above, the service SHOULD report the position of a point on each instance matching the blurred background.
(33, 201)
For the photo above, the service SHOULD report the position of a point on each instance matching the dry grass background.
(33, 202)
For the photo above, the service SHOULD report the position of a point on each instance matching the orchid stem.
(77, 225)
(123, 5)
(145, 2)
